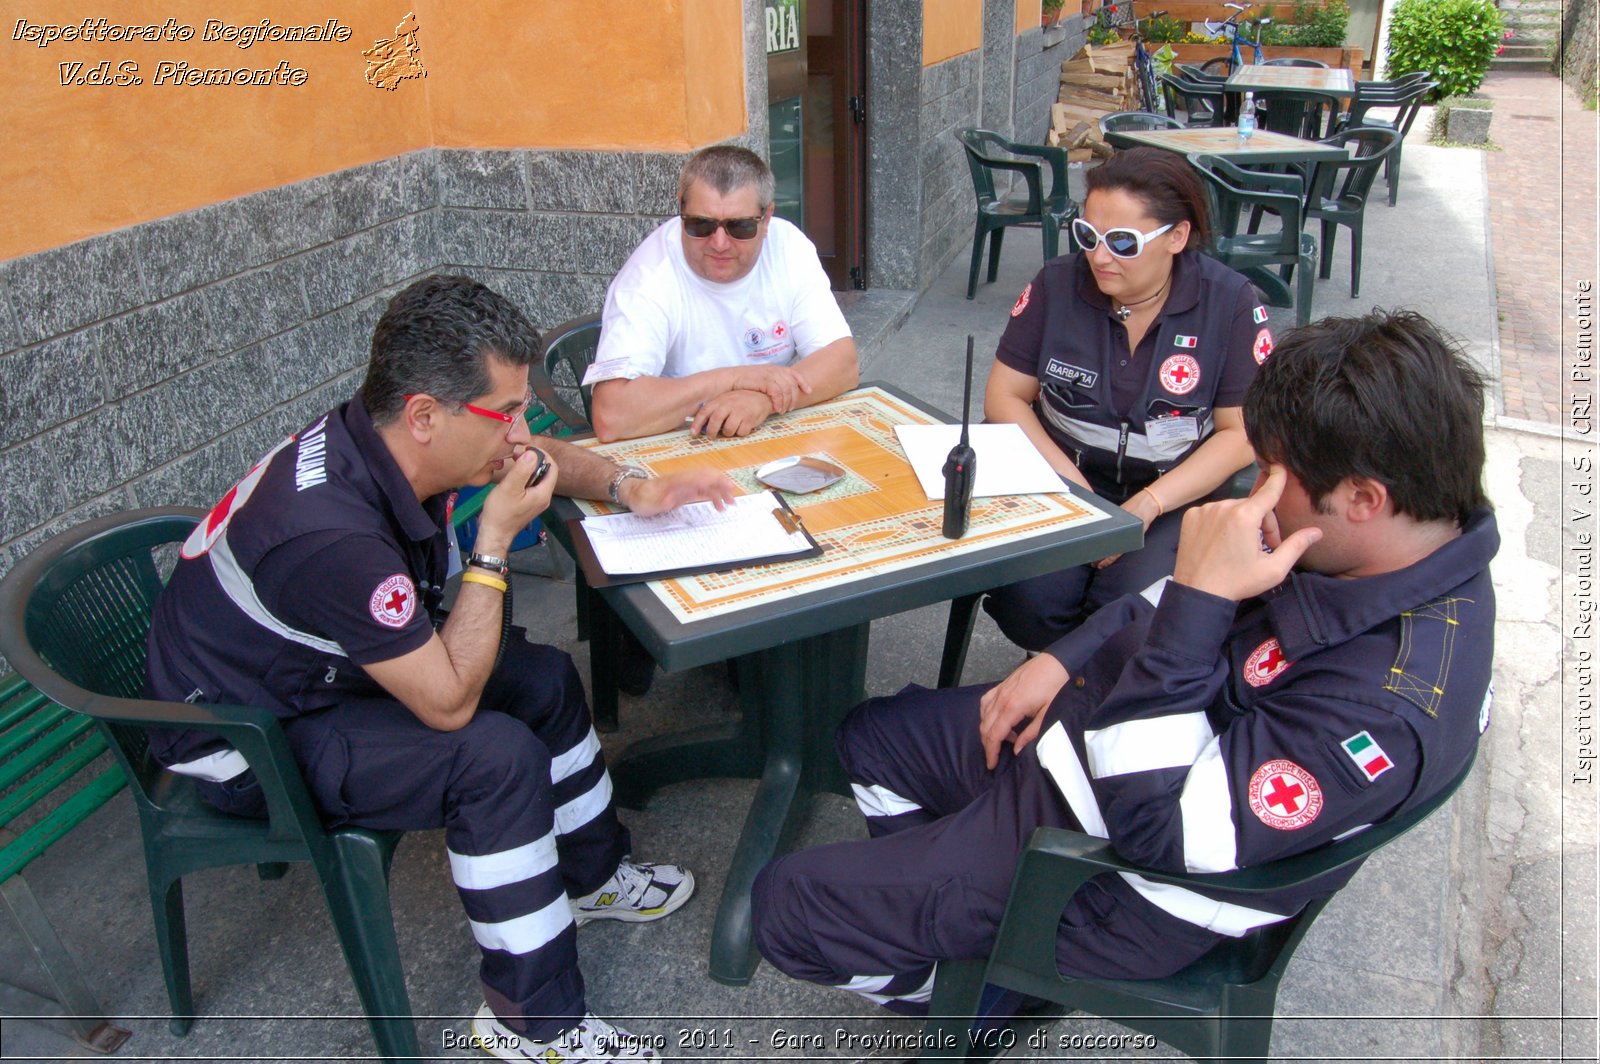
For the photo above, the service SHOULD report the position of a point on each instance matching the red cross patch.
(780, 330)
(1022, 300)
(394, 601)
(1180, 374)
(1284, 796)
(1263, 346)
(1264, 664)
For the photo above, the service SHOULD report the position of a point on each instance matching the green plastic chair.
(1219, 1008)
(1268, 259)
(1202, 103)
(1406, 96)
(1298, 114)
(568, 350)
(988, 153)
(1339, 191)
(1130, 121)
(73, 619)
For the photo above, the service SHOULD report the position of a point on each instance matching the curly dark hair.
(433, 338)
(1384, 396)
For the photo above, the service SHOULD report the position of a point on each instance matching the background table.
(799, 630)
(1263, 148)
(1257, 77)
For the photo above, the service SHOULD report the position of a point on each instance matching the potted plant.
(1050, 12)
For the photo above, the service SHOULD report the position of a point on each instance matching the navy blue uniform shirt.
(320, 560)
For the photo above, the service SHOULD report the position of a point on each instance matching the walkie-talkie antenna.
(966, 394)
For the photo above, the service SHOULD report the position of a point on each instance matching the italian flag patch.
(1368, 755)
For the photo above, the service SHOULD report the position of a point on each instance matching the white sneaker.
(636, 892)
(592, 1041)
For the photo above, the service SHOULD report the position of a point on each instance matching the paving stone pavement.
(1542, 226)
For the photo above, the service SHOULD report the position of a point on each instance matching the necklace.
(1124, 310)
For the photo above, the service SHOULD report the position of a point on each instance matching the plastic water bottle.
(1247, 117)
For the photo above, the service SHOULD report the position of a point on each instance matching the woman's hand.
(1142, 506)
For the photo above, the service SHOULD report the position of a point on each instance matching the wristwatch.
(498, 566)
(625, 472)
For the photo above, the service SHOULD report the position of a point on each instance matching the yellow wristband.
(484, 579)
(1159, 508)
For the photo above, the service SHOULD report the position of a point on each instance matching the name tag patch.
(1171, 430)
(1070, 374)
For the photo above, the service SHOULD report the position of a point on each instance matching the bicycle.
(1230, 27)
(1144, 67)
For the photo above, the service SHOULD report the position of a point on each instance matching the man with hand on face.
(1318, 661)
(721, 318)
(313, 588)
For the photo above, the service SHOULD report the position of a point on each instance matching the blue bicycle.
(1230, 28)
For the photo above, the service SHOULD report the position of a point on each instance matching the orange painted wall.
(950, 28)
(82, 159)
(1027, 14)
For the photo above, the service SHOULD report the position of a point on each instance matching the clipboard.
(779, 511)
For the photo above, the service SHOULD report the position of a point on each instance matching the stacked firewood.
(1095, 82)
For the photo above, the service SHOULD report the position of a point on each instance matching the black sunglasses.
(738, 228)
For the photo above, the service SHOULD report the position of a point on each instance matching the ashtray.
(799, 475)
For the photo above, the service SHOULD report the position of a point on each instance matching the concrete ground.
(1471, 939)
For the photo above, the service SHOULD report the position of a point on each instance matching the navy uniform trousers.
(1034, 613)
(525, 802)
(875, 916)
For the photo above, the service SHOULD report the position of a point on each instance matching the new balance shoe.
(592, 1041)
(636, 892)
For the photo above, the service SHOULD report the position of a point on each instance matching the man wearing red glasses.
(722, 317)
(314, 589)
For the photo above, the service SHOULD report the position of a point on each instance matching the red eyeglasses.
(509, 419)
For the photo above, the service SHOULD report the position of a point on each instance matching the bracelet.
(486, 580)
(1159, 508)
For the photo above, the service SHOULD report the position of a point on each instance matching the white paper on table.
(692, 536)
(1008, 463)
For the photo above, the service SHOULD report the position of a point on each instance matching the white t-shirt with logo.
(662, 319)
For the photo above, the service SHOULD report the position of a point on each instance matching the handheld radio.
(960, 468)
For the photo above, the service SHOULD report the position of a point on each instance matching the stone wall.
(1578, 33)
(150, 366)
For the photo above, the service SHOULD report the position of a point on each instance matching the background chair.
(1338, 191)
(1201, 102)
(1296, 113)
(1234, 191)
(73, 619)
(1406, 96)
(988, 153)
(1132, 121)
(1288, 61)
(568, 350)
(1221, 1007)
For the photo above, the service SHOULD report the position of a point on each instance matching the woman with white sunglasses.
(1126, 364)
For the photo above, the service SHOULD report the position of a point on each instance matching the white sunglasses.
(1123, 242)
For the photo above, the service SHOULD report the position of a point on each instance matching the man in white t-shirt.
(722, 317)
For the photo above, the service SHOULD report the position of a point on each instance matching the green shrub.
(1453, 40)
(1311, 26)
